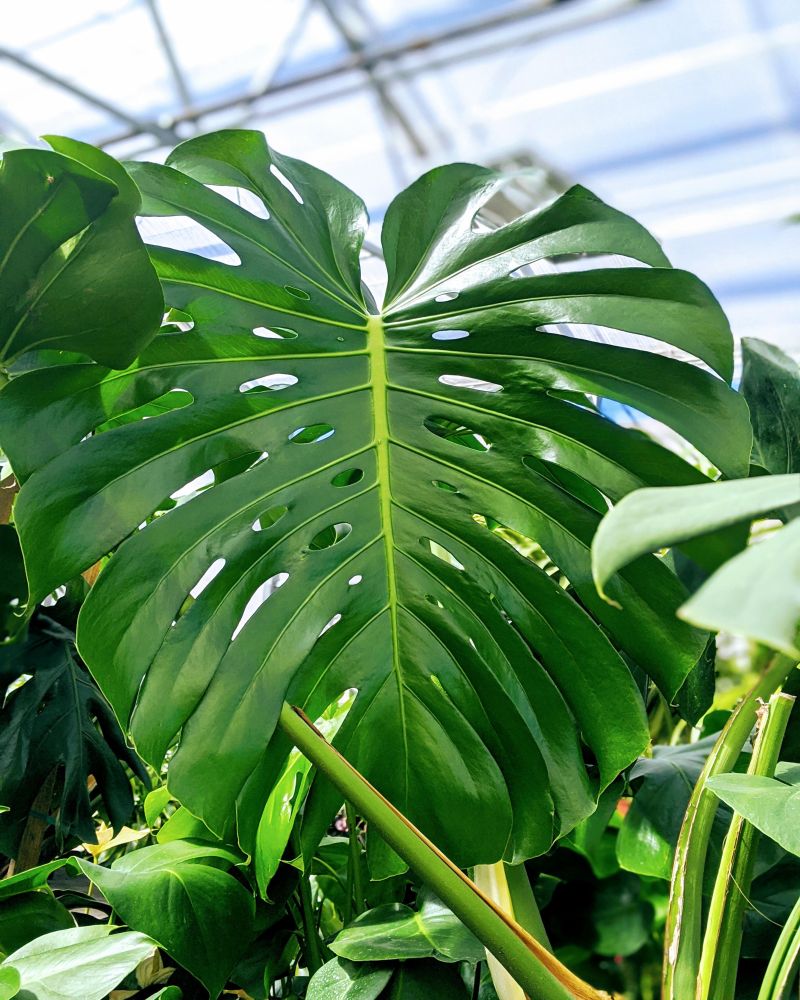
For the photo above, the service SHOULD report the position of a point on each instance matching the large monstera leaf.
(379, 482)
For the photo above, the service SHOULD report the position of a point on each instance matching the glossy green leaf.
(74, 273)
(28, 916)
(771, 385)
(200, 915)
(368, 478)
(651, 519)
(182, 825)
(83, 963)
(756, 593)
(58, 719)
(343, 980)
(772, 805)
(395, 931)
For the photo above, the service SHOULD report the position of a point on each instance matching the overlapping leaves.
(371, 482)
(74, 273)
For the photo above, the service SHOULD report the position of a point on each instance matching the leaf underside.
(404, 502)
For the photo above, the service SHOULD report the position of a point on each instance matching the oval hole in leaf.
(177, 317)
(179, 232)
(451, 430)
(270, 516)
(243, 198)
(268, 383)
(441, 553)
(297, 292)
(329, 536)
(434, 601)
(450, 335)
(276, 333)
(286, 183)
(446, 296)
(311, 434)
(213, 571)
(463, 382)
(334, 621)
(440, 484)
(348, 477)
(355, 580)
(261, 594)
(173, 399)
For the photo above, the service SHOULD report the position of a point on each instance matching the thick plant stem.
(538, 972)
(783, 961)
(508, 886)
(682, 943)
(719, 959)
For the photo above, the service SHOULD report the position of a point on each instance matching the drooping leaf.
(74, 273)
(771, 385)
(201, 916)
(343, 980)
(83, 963)
(59, 720)
(371, 477)
(756, 593)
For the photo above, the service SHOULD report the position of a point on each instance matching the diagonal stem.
(539, 973)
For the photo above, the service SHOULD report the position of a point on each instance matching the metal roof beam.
(165, 135)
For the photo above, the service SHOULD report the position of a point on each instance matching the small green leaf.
(343, 980)
(32, 878)
(201, 916)
(154, 804)
(9, 982)
(83, 963)
(771, 804)
(395, 931)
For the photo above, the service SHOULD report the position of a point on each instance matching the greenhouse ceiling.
(685, 114)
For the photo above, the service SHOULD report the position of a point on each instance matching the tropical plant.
(298, 505)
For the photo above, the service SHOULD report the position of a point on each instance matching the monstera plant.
(293, 492)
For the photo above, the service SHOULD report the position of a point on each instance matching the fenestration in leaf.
(362, 476)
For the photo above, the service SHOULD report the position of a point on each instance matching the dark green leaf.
(421, 980)
(13, 584)
(74, 273)
(201, 916)
(28, 916)
(58, 719)
(771, 386)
